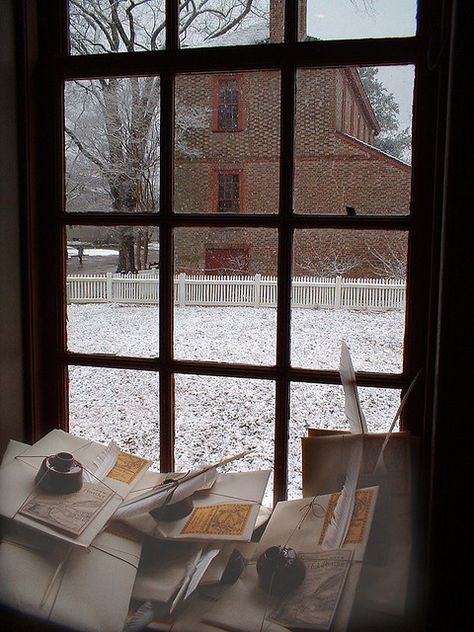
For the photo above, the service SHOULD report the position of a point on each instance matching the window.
(305, 230)
(228, 192)
(228, 107)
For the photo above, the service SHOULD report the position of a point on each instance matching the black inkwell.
(280, 570)
(60, 474)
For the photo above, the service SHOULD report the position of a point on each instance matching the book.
(70, 513)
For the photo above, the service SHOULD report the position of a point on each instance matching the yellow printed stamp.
(226, 519)
(127, 467)
(356, 529)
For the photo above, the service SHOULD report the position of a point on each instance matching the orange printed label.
(226, 519)
(127, 467)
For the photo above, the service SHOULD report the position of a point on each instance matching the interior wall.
(11, 368)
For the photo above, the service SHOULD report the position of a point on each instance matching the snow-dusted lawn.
(218, 416)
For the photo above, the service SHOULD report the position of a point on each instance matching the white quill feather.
(102, 464)
(142, 617)
(352, 406)
(380, 465)
(168, 493)
(201, 567)
(341, 519)
(173, 492)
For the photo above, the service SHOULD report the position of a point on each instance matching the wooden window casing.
(228, 191)
(227, 103)
(45, 301)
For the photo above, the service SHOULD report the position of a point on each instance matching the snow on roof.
(243, 36)
(372, 148)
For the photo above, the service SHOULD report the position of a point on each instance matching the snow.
(218, 416)
(92, 252)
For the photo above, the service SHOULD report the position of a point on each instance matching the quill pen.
(352, 406)
(102, 464)
(174, 491)
(190, 568)
(380, 465)
(200, 568)
(341, 518)
(166, 494)
(142, 617)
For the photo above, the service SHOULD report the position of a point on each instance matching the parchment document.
(68, 512)
(313, 604)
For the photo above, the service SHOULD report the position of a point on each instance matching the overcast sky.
(343, 19)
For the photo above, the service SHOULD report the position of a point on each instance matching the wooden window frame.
(217, 172)
(217, 80)
(46, 66)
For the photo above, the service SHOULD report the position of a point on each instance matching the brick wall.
(333, 169)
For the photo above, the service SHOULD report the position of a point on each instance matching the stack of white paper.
(87, 589)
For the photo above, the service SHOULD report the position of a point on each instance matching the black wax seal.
(169, 512)
(280, 570)
(60, 474)
(176, 511)
(234, 568)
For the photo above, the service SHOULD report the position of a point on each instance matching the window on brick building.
(228, 192)
(228, 104)
(135, 215)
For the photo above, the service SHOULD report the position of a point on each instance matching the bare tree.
(326, 258)
(112, 125)
(391, 262)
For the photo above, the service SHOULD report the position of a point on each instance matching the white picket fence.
(256, 291)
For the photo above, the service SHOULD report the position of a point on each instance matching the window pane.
(112, 145)
(110, 312)
(227, 125)
(220, 416)
(225, 294)
(348, 285)
(353, 140)
(231, 22)
(101, 26)
(354, 19)
(321, 406)
(117, 404)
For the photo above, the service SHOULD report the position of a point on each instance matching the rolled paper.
(280, 570)
(60, 474)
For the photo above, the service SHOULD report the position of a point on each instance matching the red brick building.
(230, 164)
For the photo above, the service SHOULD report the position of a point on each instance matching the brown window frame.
(45, 333)
(219, 108)
(226, 173)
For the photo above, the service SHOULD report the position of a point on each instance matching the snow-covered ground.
(217, 416)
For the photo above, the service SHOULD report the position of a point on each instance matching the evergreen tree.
(392, 139)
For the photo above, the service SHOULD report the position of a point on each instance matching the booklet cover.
(68, 512)
(313, 604)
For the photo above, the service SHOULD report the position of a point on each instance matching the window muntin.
(201, 152)
(349, 285)
(326, 403)
(225, 294)
(112, 145)
(209, 26)
(352, 144)
(105, 403)
(217, 415)
(285, 222)
(97, 293)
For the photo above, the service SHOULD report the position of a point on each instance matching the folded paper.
(18, 488)
(85, 589)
